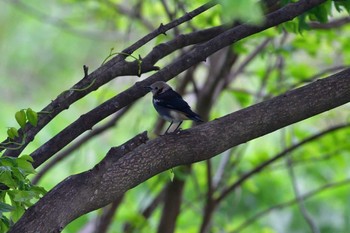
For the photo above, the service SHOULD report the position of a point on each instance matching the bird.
(170, 105)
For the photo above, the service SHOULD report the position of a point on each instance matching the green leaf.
(22, 196)
(251, 186)
(245, 10)
(25, 166)
(38, 190)
(8, 161)
(342, 4)
(32, 117)
(4, 223)
(239, 47)
(244, 99)
(5, 208)
(17, 214)
(27, 157)
(172, 175)
(12, 132)
(302, 25)
(19, 176)
(21, 118)
(6, 177)
(320, 13)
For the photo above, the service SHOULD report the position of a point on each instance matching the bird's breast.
(178, 116)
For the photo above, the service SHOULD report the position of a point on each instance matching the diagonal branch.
(117, 66)
(193, 57)
(306, 196)
(300, 200)
(266, 163)
(134, 162)
(337, 23)
(111, 123)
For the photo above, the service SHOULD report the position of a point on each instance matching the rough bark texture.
(196, 55)
(137, 160)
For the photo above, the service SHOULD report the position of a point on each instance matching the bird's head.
(158, 87)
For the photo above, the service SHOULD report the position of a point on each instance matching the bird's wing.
(171, 99)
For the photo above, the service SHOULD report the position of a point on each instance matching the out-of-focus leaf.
(5, 208)
(4, 223)
(320, 13)
(244, 99)
(243, 10)
(251, 186)
(339, 4)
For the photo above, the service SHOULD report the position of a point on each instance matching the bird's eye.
(156, 88)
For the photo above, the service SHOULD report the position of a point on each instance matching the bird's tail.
(195, 117)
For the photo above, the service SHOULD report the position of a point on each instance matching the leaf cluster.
(18, 193)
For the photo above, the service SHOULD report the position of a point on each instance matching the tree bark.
(196, 55)
(172, 204)
(137, 160)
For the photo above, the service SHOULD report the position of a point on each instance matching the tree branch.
(300, 200)
(263, 165)
(306, 196)
(333, 24)
(117, 66)
(196, 55)
(111, 123)
(134, 162)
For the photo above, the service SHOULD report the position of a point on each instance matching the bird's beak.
(148, 88)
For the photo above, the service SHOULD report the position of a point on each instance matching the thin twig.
(306, 196)
(248, 59)
(318, 75)
(102, 75)
(299, 197)
(121, 9)
(263, 165)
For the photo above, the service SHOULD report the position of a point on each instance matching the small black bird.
(170, 105)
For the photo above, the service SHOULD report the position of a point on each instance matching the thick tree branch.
(64, 154)
(131, 164)
(196, 55)
(117, 66)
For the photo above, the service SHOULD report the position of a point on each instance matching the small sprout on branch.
(21, 118)
(12, 133)
(86, 71)
(27, 157)
(162, 29)
(139, 60)
(32, 117)
(172, 175)
(85, 88)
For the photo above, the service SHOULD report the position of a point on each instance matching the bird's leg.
(178, 126)
(168, 127)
